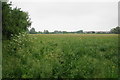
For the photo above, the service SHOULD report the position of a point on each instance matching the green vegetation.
(61, 56)
(32, 31)
(54, 55)
(116, 30)
(14, 21)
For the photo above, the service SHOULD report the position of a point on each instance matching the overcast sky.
(71, 15)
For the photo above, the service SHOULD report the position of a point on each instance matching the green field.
(61, 56)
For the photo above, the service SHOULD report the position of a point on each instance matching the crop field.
(61, 56)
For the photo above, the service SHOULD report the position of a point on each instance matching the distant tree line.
(112, 31)
(32, 31)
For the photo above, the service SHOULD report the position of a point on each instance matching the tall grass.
(61, 56)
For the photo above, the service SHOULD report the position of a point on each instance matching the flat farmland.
(61, 56)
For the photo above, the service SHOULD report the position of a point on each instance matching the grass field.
(61, 56)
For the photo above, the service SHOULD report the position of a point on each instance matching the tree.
(80, 31)
(14, 21)
(115, 30)
(56, 32)
(32, 31)
(39, 32)
(46, 32)
(64, 32)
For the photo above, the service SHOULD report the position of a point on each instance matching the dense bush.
(15, 52)
(14, 20)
